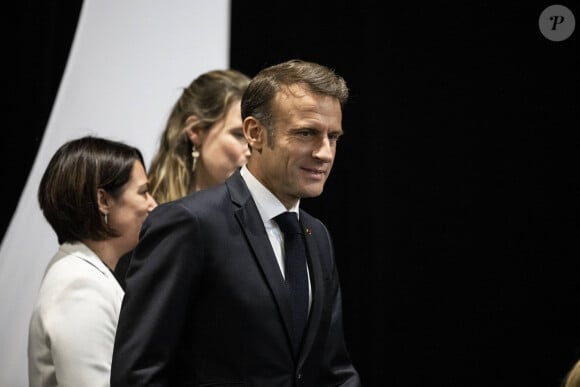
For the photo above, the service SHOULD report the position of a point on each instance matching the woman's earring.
(194, 155)
(106, 218)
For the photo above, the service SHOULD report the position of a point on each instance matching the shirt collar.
(268, 205)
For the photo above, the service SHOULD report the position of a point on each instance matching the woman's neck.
(106, 252)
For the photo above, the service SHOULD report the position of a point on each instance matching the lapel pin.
(308, 231)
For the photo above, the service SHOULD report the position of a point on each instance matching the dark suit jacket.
(206, 303)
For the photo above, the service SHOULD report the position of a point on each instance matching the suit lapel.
(317, 284)
(253, 228)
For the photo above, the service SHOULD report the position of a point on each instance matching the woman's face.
(223, 149)
(129, 210)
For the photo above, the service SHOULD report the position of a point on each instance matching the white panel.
(129, 61)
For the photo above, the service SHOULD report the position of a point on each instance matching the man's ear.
(255, 133)
(194, 132)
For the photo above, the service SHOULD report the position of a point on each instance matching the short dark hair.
(67, 193)
(258, 97)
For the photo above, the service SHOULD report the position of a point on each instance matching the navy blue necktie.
(295, 272)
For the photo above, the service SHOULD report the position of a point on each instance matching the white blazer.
(73, 323)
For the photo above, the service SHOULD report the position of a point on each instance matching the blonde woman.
(202, 144)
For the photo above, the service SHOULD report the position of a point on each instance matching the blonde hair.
(209, 98)
(572, 378)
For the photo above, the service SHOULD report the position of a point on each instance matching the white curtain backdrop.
(128, 63)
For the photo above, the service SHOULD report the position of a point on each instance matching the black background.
(454, 197)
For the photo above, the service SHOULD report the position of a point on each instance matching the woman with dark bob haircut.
(95, 195)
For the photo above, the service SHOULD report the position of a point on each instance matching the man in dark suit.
(208, 298)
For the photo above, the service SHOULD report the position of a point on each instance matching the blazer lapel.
(317, 285)
(253, 228)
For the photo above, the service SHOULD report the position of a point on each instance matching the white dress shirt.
(269, 206)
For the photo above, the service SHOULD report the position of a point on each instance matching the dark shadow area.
(37, 39)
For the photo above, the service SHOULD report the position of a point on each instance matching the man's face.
(297, 160)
